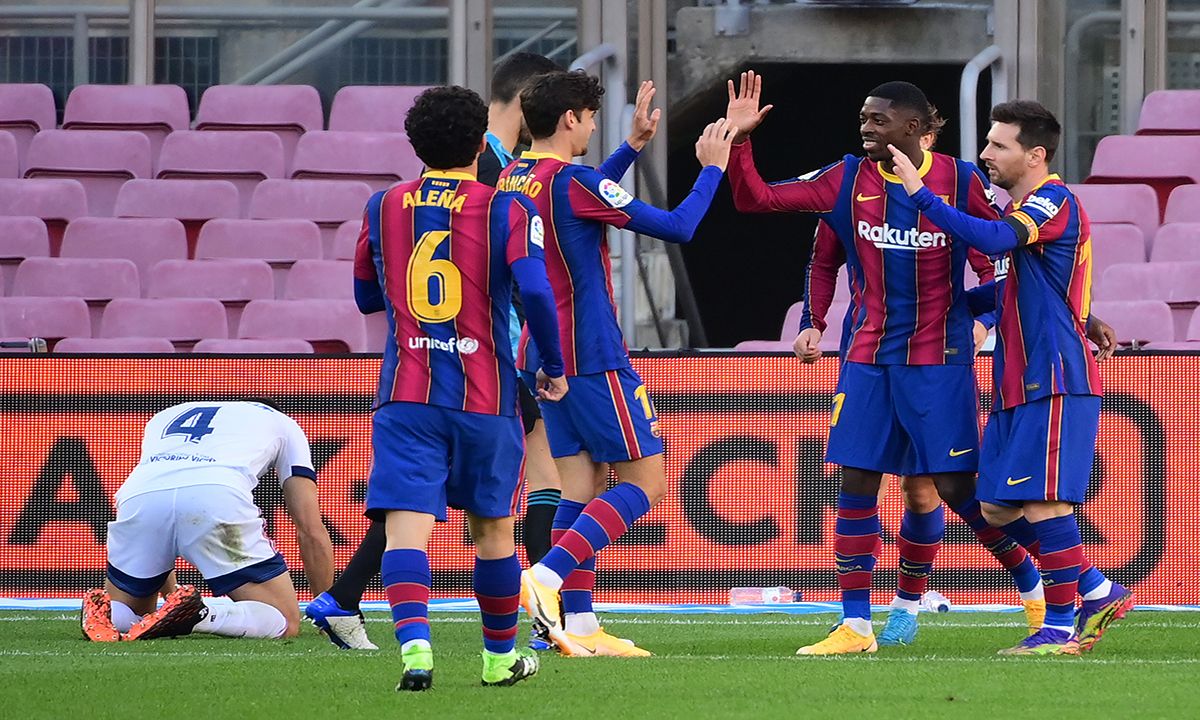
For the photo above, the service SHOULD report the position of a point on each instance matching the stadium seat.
(183, 321)
(763, 346)
(279, 242)
(20, 238)
(328, 203)
(1170, 112)
(153, 110)
(1113, 244)
(1183, 205)
(101, 161)
(1137, 321)
(320, 279)
(97, 281)
(1177, 242)
(25, 110)
(378, 159)
(372, 108)
(1163, 162)
(52, 318)
(1176, 283)
(192, 202)
(330, 325)
(345, 239)
(56, 202)
(243, 158)
(1136, 205)
(289, 111)
(9, 159)
(114, 345)
(264, 346)
(234, 282)
(145, 241)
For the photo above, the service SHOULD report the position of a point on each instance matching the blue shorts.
(1040, 451)
(607, 414)
(905, 419)
(426, 457)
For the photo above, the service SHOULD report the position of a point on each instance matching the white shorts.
(217, 528)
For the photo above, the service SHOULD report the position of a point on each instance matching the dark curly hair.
(446, 126)
(547, 97)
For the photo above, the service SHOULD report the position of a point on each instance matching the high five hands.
(743, 108)
(645, 121)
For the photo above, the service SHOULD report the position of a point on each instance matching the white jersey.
(218, 443)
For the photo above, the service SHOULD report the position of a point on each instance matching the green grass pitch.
(704, 666)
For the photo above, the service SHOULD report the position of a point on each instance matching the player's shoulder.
(602, 187)
(1049, 197)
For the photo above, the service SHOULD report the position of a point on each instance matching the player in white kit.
(191, 496)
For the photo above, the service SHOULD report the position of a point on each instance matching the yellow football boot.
(842, 641)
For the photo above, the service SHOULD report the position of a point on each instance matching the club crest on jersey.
(890, 238)
(614, 194)
(463, 345)
(537, 231)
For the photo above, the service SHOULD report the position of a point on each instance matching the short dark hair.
(905, 95)
(1037, 126)
(547, 97)
(446, 126)
(935, 123)
(515, 73)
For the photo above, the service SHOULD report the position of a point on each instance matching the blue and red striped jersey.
(576, 202)
(905, 273)
(441, 248)
(1043, 299)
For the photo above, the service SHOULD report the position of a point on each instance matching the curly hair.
(547, 97)
(935, 122)
(446, 126)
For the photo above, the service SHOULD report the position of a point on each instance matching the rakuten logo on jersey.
(463, 346)
(890, 238)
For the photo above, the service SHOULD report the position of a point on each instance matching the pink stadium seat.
(145, 241)
(320, 279)
(20, 238)
(1163, 162)
(372, 108)
(1170, 112)
(1136, 205)
(96, 281)
(9, 157)
(1137, 321)
(1176, 283)
(1183, 205)
(1177, 242)
(1113, 244)
(264, 346)
(345, 239)
(153, 110)
(328, 203)
(289, 111)
(193, 202)
(102, 161)
(243, 158)
(279, 242)
(830, 339)
(56, 202)
(234, 282)
(26, 109)
(378, 159)
(184, 321)
(763, 346)
(52, 318)
(114, 345)
(330, 325)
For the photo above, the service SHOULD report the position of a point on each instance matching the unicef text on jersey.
(463, 346)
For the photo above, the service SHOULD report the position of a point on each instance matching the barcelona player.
(439, 254)
(1039, 442)
(906, 400)
(608, 417)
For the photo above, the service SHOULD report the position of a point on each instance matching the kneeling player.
(439, 254)
(191, 496)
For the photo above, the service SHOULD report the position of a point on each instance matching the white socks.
(582, 623)
(1100, 591)
(245, 618)
(546, 576)
(912, 607)
(1037, 593)
(859, 625)
(123, 617)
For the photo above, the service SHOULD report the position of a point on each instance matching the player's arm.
(294, 464)
(368, 295)
(815, 192)
(524, 256)
(820, 284)
(645, 125)
(985, 270)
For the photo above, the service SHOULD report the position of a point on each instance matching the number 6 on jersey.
(426, 304)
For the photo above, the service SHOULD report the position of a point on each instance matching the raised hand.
(743, 108)
(645, 122)
(713, 146)
(903, 166)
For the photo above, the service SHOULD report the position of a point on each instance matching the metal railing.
(968, 92)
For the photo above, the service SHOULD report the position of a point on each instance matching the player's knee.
(956, 489)
(860, 482)
(920, 494)
(998, 515)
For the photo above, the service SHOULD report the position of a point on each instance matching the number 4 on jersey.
(194, 423)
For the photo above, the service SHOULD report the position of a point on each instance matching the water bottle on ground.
(762, 596)
(934, 601)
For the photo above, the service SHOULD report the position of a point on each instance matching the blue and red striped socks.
(602, 521)
(498, 590)
(577, 587)
(856, 548)
(406, 579)
(1062, 556)
(919, 541)
(1011, 553)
